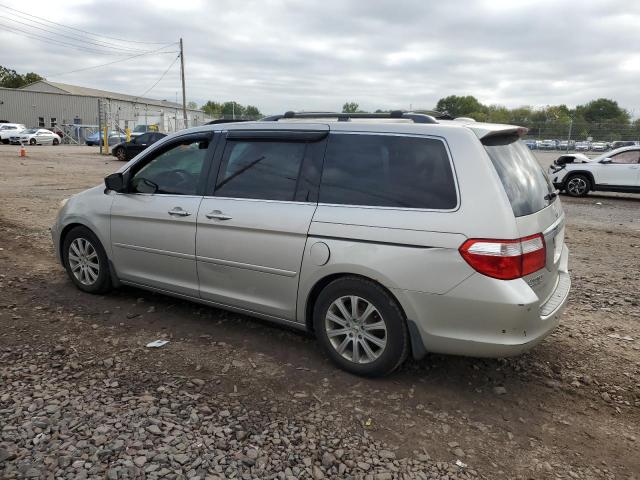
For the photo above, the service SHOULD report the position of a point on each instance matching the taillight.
(505, 259)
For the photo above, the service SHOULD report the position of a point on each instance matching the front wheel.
(32, 141)
(85, 260)
(361, 327)
(578, 185)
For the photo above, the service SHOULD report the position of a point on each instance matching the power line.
(80, 30)
(111, 63)
(73, 37)
(161, 77)
(59, 42)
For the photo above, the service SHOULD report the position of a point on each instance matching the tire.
(32, 141)
(391, 345)
(81, 247)
(56, 141)
(120, 154)
(577, 185)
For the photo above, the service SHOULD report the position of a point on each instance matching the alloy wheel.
(84, 261)
(577, 186)
(356, 329)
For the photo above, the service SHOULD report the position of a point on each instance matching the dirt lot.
(231, 396)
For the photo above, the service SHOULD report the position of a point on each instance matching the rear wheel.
(86, 261)
(578, 185)
(56, 141)
(361, 327)
(120, 154)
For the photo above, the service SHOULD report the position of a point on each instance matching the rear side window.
(524, 180)
(260, 169)
(389, 171)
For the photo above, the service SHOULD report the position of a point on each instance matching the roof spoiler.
(488, 130)
(346, 117)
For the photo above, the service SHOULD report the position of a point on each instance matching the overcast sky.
(315, 55)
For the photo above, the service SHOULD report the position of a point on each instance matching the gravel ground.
(235, 397)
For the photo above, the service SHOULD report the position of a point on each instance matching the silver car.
(383, 234)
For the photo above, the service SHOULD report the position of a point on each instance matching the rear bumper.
(484, 317)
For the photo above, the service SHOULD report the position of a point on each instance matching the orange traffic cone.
(23, 151)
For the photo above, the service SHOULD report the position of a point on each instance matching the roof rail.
(345, 117)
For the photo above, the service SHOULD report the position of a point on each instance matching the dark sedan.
(127, 150)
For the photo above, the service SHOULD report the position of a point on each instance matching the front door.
(253, 228)
(153, 226)
(622, 171)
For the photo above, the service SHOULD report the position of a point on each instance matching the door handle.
(218, 215)
(179, 212)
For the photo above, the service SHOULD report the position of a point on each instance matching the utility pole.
(184, 95)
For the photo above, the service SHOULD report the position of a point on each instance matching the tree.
(192, 105)
(213, 109)
(252, 113)
(232, 110)
(457, 106)
(12, 79)
(603, 110)
(350, 107)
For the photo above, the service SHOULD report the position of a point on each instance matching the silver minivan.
(383, 234)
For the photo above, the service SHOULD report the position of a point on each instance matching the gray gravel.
(62, 418)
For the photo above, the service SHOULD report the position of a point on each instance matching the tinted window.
(263, 170)
(390, 171)
(144, 138)
(176, 170)
(524, 180)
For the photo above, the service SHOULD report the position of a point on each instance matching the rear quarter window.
(524, 180)
(389, 171)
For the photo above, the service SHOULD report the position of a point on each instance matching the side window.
(175, 170)
(144, 138)
(389, 171)
(630, 156)
(260, 169)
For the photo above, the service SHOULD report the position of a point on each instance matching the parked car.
(127, 150)
(548, 145)
(383, 238)
(599, 147)
(531, 144)
(35, 136)
(615, 171)
(583, 146)
(112, 136)
(622, 143)
(140, 129)
(9, 129)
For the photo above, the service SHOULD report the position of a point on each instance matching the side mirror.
(115, 182)
(606, 160)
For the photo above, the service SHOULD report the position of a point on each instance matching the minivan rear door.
(535, 205)
(253, 223)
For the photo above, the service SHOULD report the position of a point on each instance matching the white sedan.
(35, 136)
(614, 171)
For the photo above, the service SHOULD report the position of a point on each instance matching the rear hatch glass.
(525, 182)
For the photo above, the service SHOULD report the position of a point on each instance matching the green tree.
(213, 109)
(603, 110)
(232, 110)
(11, 79)
(458, 106)
(252, 113)
(350, 107)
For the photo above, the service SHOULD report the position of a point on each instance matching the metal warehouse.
(68, 107)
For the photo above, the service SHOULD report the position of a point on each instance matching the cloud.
(285, 54)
